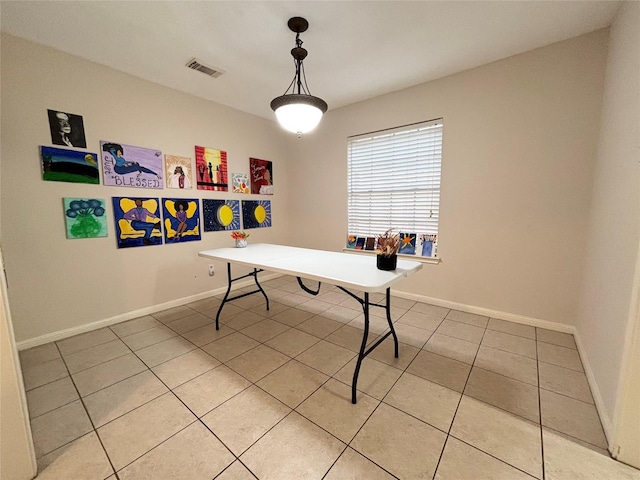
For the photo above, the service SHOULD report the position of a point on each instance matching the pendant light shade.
(298, 111)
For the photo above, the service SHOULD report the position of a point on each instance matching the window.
(393, 181)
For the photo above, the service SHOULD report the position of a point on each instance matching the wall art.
(220, 214)
(85, 217)
(130, 166)
(137, 221)
(64, 165)
(66, 129)
(181, 219)
(407, 243)
(240, 182)
(211, 169)
(261, 176)
(179, 172)
(256, 213)
(429, 243)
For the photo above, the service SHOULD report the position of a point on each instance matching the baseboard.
(487, 312)
(607, 424)
(70, 332)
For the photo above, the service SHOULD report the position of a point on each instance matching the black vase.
(387, 263)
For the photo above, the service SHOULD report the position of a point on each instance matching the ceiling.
(357, 49)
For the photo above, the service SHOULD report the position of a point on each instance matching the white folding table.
(344, 270)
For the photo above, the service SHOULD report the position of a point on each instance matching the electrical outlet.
(212, 272)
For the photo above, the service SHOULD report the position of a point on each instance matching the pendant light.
(298, 111)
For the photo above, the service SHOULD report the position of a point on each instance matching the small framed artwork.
(407, 243)
(351, 241)
(240, 182)
(66, 129)
(179, 172)
(370, 243)
(256, 213)
(85, 217)
(66, 165)
(137, 221)
(261, 176)
(360, 242)
(428, 245)
(130, 166)
(181, 219)
(211, 169)
(221, 215)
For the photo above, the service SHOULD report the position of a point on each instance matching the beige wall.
(520, 137)
(57, 284)
(605, 308)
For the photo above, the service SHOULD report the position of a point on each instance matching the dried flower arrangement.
(388, 244)
(236, 235)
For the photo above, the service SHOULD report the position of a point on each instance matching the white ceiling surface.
(357, 49)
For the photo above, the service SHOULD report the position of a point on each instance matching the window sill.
(417, 258)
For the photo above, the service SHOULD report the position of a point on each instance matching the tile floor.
(268, 396)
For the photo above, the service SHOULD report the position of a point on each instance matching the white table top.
(338, 268)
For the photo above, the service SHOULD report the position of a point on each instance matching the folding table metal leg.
(361, 354)
(366, 304)
(230, 280)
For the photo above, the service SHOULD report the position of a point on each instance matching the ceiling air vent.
(195, 64)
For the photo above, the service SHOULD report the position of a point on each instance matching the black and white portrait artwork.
(66, 129)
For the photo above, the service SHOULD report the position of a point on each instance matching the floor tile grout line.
(562, 366)
(93, 426)
(197, 418)
(334, 462)
(97, 364)
(332, 377)
(500, 408)
(579, 440)
(493, 456)
(108, 327)
(540, 410)
(568, 396)
(290, 358)
(380, 402)
(453, 418)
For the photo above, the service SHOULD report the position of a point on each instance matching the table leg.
(361, 354)
(366, 305)
(230, 280)
(393, 330)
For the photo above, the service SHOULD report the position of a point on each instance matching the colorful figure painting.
(129, 166)
(221, 215)
(137, 221)
(179, 173)
(85, 218)
(211, 169)
(408, 243)
(351, 241)
(428, 245)
(62, 165)
(261, 176)
(66, 129)
(181, 219)
(240, 182)
(256, 213)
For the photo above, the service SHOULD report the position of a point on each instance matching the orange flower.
(236, 235)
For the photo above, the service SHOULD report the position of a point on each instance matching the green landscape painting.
(66, 165)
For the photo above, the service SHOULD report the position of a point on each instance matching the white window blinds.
(394, 180)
